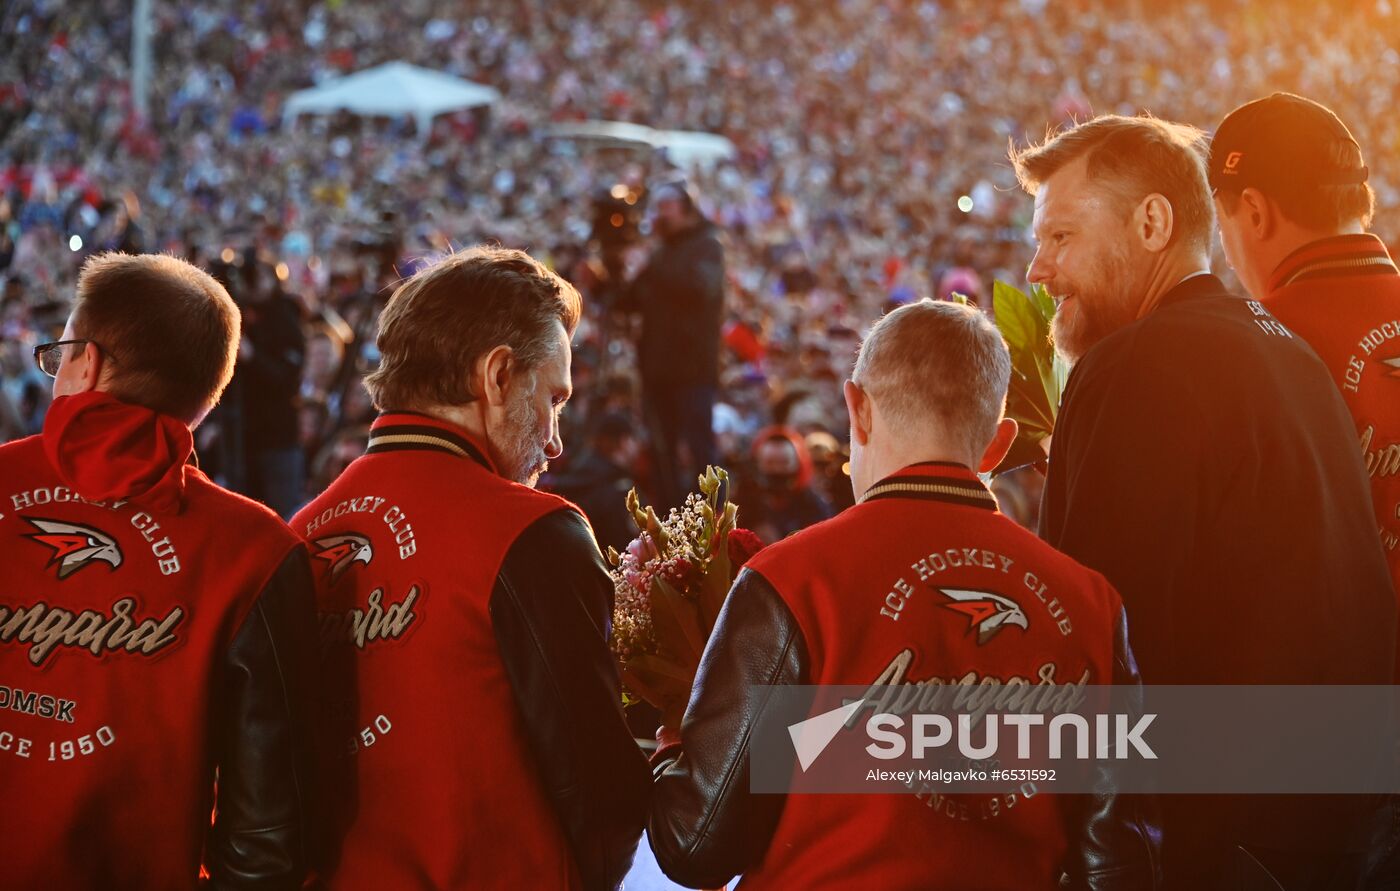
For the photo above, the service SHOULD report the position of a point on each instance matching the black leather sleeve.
(262, 741)
(1119, 839)
(551, 611)
(706, 826)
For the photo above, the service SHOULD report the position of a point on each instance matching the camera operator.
(270, 359)
(679, 294)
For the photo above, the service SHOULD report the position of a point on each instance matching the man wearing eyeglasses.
(154, 628)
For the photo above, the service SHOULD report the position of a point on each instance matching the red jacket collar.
(398, 431)
(934, 481)
(1340, 255)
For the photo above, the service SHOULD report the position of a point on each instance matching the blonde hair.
(1132, 157)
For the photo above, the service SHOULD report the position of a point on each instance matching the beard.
(1076, 329)
(522, 456)
(1094, 310)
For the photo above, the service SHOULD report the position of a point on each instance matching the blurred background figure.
(23, 396)
(598, 479)
(780, 498)
(831, 470)
(268, 376)
(679, 294)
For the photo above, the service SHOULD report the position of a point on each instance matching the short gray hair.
(937, 367)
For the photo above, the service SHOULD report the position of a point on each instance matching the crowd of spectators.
(871, 170)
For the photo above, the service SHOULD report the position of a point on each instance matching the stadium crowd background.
(860, 124)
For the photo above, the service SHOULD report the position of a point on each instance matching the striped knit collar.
(934, 481)
(1340, 255)
(400, 431)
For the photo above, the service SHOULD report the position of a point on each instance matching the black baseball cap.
(1280, 142)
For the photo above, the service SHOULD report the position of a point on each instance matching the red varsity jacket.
(142, 647)
(473, 710)
(1343, 296)
(923, 579)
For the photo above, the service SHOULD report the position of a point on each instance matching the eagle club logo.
(74, 546)
(343, 551)
(986, 612)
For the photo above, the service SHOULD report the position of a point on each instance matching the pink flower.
(643, 548)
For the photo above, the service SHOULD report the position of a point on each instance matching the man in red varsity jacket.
(1293, 205)
(474, 703)
(925, 403)
(154, 628)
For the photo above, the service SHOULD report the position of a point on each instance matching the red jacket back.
(1342, 295)
(113, 623)
(439, 781)
(925, 581)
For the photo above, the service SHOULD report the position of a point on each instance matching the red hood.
(106, 449)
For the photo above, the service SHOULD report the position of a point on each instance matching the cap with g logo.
(1280, 141)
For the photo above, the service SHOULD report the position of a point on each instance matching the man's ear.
(92, 368)
(1001, 444)
(1260, 215)
(1154, 221)
(859, 408)
(494, 373)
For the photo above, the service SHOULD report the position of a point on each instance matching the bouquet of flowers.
(670, 584)
(1037, 374)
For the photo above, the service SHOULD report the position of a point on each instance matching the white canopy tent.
(688, 148)
(684, 148)
(618, 133)
(391, 90)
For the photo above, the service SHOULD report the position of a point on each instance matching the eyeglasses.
(50, 355)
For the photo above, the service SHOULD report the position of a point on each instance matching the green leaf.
(717, 581)
(1043, 302)
(1025, 403)
(676, 621)
(1037, 374)
(1020, 319)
